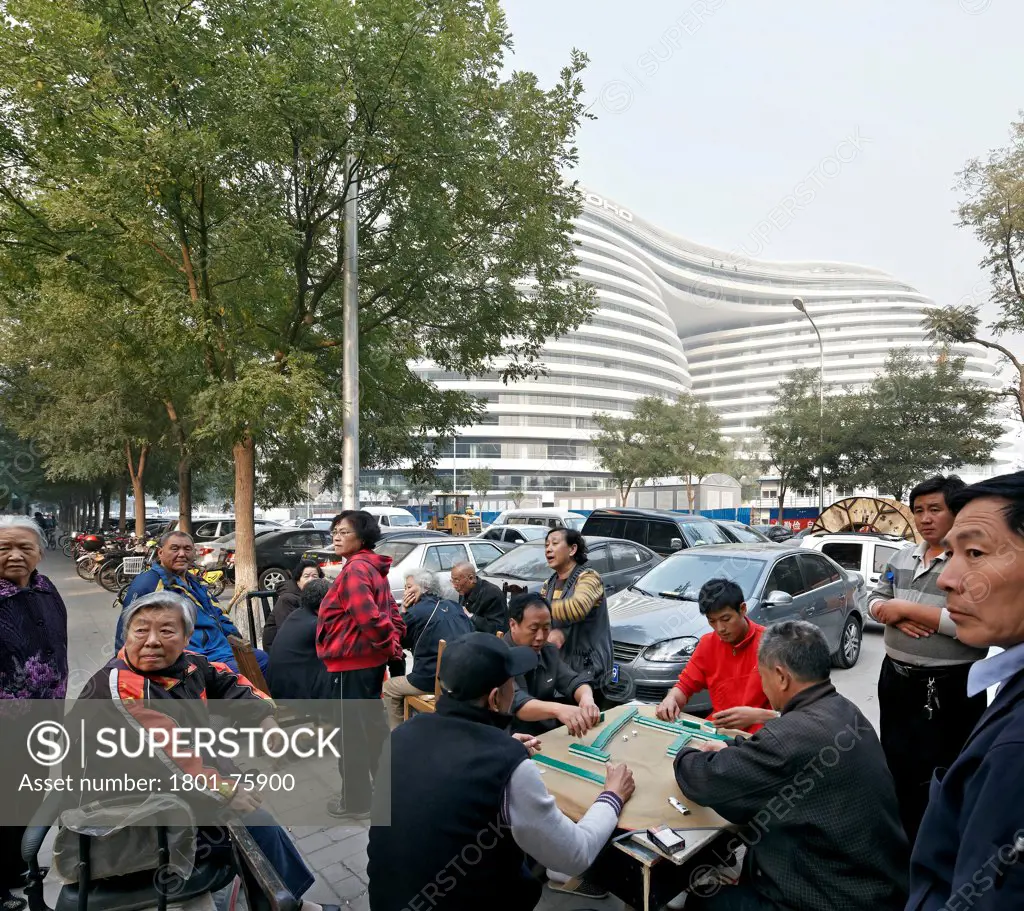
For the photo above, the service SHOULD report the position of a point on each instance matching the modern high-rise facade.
(673, 315)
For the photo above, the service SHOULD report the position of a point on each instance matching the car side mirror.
(677, 544)
(778, 599)
(855, 577)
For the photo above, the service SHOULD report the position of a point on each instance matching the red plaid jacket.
(358, 624)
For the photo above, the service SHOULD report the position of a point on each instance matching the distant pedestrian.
(969, 852)
(579, 607)
(33, 665)
(925, 714)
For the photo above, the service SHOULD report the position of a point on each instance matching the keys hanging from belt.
(931, 700)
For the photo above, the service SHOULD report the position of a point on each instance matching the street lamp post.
(799, 304)
(350, 351)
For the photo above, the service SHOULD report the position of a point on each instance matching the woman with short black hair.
(286, 598)
(579, 608)
(358, 631)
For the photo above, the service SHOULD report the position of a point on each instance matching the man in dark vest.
(969, 852)
(482, 600)
(458, 806)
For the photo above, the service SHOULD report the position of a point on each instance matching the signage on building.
(600, 202)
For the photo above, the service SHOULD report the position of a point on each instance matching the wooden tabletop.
(643, 749)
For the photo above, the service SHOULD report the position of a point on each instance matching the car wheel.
(849, 644)
(271, 578)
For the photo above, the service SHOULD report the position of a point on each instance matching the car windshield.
(575, 522)
(397, 550)
(533, 532)
(698, 533)
(404, 521)
(526, 562)
(682, 575)
(747, 535)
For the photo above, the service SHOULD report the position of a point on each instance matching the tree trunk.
(690, 493)
(105, 493)
(782, 501)
(244, 453)
(122, 491)
(137, 474)
(184, 470)
(185, 493)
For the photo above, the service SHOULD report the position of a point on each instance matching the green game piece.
(588, 752)
(585, 774)
(605, 737)
(676, 745)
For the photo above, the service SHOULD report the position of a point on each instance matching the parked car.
(656, 624)
(435, 551)
(279, 550)
(867, 554)
(212, 527)
(740, 533)
(620, 563)
(657, 529)
(212, 554)
(515, 534)
(319, 524)
(394, 517)
(548, 516)
(776, 533)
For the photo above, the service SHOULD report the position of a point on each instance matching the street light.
(799, 304)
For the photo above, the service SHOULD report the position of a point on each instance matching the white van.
(551, 516)
(393, 517)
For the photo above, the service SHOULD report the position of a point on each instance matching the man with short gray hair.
(811, 792)
(482, 600)
(213, 631)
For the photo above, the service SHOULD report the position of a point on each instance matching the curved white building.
(673, 315)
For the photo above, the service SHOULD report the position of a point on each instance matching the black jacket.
(551, 681)
(427, 622)
(488, 607)
(816, 805)
(286, 601)
(968, 852)
(438, 828)
(295, 670)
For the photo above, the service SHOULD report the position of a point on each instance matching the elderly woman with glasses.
(359, 629)
(152, 672)
(33, 665)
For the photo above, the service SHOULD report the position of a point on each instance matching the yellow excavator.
(458, 517)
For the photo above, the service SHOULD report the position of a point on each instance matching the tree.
(993, 207)
(517, 496)
(626, 447)
(691, 442)
(480, 480)
(915, 420)
(198, 174)
(790, 434)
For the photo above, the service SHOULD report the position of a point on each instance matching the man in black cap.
(457, 806)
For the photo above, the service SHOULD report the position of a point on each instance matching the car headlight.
(671, 649)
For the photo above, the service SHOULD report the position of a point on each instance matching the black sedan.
(776, 533)
(656, 624)
(620, 563)
(277, 552)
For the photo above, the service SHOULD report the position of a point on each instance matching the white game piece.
(625, 737)
(635, 732)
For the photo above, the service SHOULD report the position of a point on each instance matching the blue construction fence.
(738, 514)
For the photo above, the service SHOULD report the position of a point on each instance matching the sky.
(793, 130)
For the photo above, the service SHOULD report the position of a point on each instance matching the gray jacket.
(816, 805)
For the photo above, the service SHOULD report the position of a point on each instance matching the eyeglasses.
(341, 533)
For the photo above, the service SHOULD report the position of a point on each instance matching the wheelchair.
(156, 886)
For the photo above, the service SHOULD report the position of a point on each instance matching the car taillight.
(203, 551)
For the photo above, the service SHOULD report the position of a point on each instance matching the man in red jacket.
(724, 663)
(359, 629)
